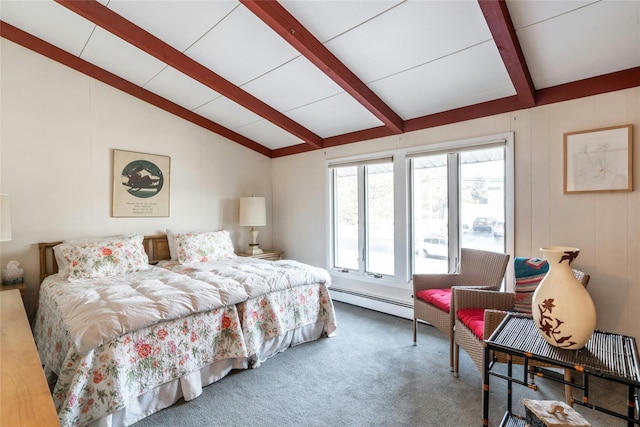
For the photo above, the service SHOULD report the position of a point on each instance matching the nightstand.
(22, 287)
(268, 255)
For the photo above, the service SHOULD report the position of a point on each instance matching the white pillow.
(173, 246)
(202, 246)
(63, 265)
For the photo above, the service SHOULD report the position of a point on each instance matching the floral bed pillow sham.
(90, 259)
(203, 246)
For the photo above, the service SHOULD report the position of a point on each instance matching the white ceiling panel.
(412, 58)
(227, 113)
(184, 91)
(241, 48)
(410, 35)
(328, 19)
(177, 23)
(597, 39)
(334, 116)
(48, 21)
(472, 76)
(115, 55)
(269, 135)
(527, 12)
(292, 85)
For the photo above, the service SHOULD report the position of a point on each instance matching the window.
(346, 218)
(413, 210)
(430, 191)
(458, 201)
(363, 210)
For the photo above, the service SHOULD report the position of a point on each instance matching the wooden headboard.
(156, 246)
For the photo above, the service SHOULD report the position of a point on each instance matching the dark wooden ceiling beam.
(288, 27)
(504, 34)
(476, 111)
(358, 136)
(334, 141)
(611, 82)
(54, 53)
(131, 33)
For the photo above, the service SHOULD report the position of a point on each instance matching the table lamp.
(253, 213)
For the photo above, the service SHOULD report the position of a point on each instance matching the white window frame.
(362, 215)
(402, 205)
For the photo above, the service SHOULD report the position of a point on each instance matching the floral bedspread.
(95, 311)
(284, 295)
(104, 380)
(256, 276)
(98, 382)
(276, 313)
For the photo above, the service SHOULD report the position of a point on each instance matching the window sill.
(352, 276)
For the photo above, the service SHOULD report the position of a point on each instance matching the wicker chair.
(495, 306)
(478, 269)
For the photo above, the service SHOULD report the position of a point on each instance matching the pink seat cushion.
(441, 298)
(473, 318)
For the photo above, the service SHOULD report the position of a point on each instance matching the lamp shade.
(253, 211)
(5, 218)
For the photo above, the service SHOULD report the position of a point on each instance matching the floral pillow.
(202, 246)
(102, 258)
(63, 264)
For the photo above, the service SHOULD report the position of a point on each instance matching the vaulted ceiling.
(284, 77)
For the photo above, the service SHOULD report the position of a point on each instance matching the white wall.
(606, 227)
(58, 130)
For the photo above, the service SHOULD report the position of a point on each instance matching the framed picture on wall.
(141, 184)
(598, 160)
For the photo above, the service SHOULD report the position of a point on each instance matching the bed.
(286, 304)
(119, 347)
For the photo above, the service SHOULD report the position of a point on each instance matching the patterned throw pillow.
(102, 258)
(63, 264)
(529, 272)
(203, 246)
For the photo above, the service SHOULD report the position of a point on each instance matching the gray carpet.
(369, 374)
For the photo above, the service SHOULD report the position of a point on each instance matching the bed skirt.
(190, 386)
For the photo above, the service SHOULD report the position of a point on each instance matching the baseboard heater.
(384, 305)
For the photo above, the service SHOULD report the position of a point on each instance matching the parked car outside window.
(435, 247)
(498, 229)
(483, 224)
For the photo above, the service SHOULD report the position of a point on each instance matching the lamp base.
(254, 249)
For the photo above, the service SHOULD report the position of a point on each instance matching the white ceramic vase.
(562, 308)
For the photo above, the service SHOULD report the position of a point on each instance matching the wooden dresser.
(25, 399)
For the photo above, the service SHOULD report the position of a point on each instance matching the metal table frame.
(610, 356)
